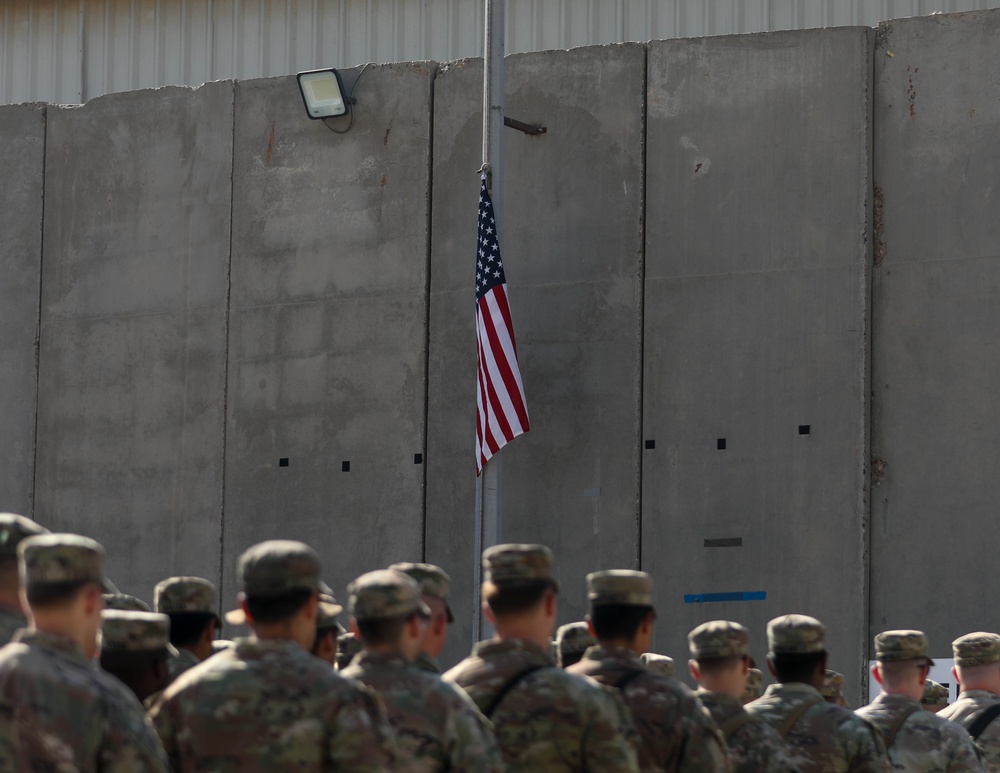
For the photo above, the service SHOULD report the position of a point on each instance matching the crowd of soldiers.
(95, 680)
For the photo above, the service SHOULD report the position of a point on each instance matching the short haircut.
(511, 599)
(797, 667)
(567, 659)
(617, 621)
(710, 666)
(277, 609)
(54, 594)
(186, 628)
(382, 631)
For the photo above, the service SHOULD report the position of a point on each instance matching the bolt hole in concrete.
(283, 461)
(720, 444)
(803, 429)
(345, 466)
(650, 445)
(418, 458)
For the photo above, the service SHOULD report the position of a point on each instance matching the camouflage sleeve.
(865, 747)
(160, 715)
(704, 748)
(130, 743)
(474, 748)
(965, 757)
(360, 737)
(609, 736)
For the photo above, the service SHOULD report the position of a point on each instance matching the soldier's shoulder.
(845, 721)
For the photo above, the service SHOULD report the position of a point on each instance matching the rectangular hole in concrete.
(803, 429)
(345, 466)
(726, 542)
(720, 444)
(418, 458)
(283, 461)
(650, 445)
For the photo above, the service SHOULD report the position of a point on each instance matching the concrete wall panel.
(327, 359)
(755, 323)
(22, 159)
(572, 250)
(935, 372)
(132, 360)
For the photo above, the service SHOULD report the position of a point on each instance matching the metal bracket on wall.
(521, 126)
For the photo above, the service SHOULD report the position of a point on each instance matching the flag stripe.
(498, 366)
(504, 350)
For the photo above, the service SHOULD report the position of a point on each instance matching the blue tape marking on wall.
(704, 598)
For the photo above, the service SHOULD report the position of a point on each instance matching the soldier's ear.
(877, 673)
(695, 671)
(489, 614)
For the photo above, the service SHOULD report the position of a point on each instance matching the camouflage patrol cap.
(348, 645)
(658, 664)
(13, 529)
(976, 649)
(902, 645)
(123, 631)
(384, 593)
(515, 564)
(573, 639)
(795, 635)
(326, 616)
(433, 581)
(935, 693)
(125, 603)
(620, 586)
(185, 594)
(832, 684)
(277, 567)
(719, 639)
(49, 559)
(754, 687)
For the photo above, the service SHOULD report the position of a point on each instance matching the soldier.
(267, 704)
(327, 629)
(192, 604)
(123, 602)
(13, 529)
(658, 664)
(935, 697)
(755, 686)
(435, 585)
(977, 670)
(348, 645)
(676, 733)
(820, 736)
(545, 719)
(833, 688)
(917, 741)
(135, 648)
(437, 727)
(572, 640)
(720, 652)
(57, 712)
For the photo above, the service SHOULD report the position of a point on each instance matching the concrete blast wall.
(251, 327)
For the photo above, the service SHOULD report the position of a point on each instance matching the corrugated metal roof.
(67, 51)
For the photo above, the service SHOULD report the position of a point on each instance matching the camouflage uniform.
(181, 595)
(10, 621)
(549, 721)
(267, 705)
(935, 696)
(57, 712)
(129, 638)
(437, 727)
(755, 686)
(833, 688)
(123, 602)
(977, 649)
(572, 640)
(435, 582)
(753, 745)
(658, 664)
(826, 738)
(13, 529)
(918, 742)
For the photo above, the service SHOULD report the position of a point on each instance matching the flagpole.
(489, 485)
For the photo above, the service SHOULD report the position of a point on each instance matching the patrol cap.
(795, 635)
(433, 581)
(832, 684)
(902, 645)
(517, 564)
(125, 631)
(327, 611)
(185, 594)
(50, 559)
(976, 649)
(125, 603)
(13, 529)
(620, 586)
(935, 693)
(573, 639)
(754, 686)
(384, 593)
(276, 567)
(719, 639)
(658, 664)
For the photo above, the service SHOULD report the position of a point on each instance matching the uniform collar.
(618, 655)
(793, 688)
(493, 647)
(64, 645)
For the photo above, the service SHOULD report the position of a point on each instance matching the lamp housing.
(323, 93)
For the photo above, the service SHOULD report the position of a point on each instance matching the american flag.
(501, 412)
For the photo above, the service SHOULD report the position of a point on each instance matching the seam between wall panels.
(640, 302)
(32, 498)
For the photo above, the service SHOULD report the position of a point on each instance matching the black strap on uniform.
(896, 726)
(796, 715)
(502, 692)
(629, 676)
(983, 721)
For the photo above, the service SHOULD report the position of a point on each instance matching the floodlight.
(323, 93)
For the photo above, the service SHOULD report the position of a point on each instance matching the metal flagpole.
(489, 485)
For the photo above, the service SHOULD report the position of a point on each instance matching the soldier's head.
(63, 583)
(192, 604)
(387, 613)
(13, 529)
(797, 649)
(279, 591)
(621, 608)
(135, 648)
(902, 662)
(435, 585)
(327, 629)
(935, 697)
(720, 656)
(348, 645)
(833, 688)
(977, 661)
(123, 602)
(520, 593)
(754, 688)
(572, 640)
